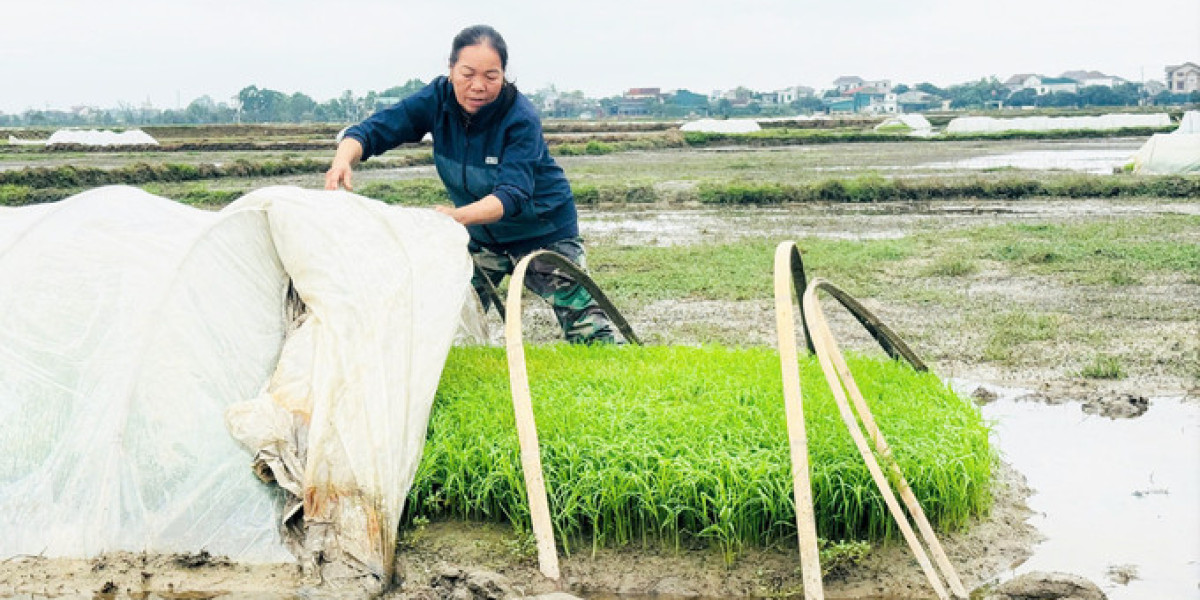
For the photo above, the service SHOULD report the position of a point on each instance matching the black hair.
(480, 34)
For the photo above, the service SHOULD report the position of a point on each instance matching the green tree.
(931, 89)
(1024, 97)
(808, 104)
(403, 91)
(301, 108)
(1060, 100)
(976, 93)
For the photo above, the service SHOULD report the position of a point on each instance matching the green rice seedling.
(676, 447)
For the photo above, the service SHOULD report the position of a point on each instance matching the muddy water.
(1116, 499)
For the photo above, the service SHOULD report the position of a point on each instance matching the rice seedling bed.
(686, 446)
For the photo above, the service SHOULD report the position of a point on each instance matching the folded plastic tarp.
(141, 340)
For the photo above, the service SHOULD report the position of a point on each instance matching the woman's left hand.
(481, 212)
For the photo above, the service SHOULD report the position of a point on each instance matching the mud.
(990, 546)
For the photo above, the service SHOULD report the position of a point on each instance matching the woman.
(491, 156)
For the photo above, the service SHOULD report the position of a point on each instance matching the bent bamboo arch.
(789, 276)
(518, 379)
(789, 269)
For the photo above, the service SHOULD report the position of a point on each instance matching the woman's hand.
(341, 172)
(481, 212)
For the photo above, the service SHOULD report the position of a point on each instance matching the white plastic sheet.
(916, 124)
(1100, 122)
(101, 137)
(130, 325)
(1168, 154)
(1190, 123)
(722, 126)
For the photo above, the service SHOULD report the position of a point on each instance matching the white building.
(1182, 79)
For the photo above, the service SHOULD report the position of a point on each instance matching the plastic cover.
(1099, 122)
(722, 126)
(1168, 154)
(131, 325)
(102, 137)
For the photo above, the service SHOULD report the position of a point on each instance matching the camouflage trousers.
(582, 320)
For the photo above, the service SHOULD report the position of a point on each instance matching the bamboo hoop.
(841, 383)
(789, 273)
(518, 376)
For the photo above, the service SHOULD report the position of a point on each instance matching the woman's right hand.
(340, 172)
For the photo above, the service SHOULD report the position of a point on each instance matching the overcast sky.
(61, 53)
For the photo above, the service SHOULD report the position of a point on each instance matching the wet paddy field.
(1112, 499)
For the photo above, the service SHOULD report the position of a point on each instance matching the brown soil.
(989, 547)
(494, 552)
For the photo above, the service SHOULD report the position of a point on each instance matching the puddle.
(1114, 498)
(1092, 160)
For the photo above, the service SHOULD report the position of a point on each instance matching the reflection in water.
(1113, 497)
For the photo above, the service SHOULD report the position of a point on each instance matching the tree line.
(263, 105)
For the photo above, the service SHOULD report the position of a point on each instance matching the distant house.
(637, 102)
(1049, 85)
(1182, 79)
(1092, 78)
(873, 100)
(839, 104)
(643, 94)
(880, 84)
(847, 82)
(1153, 87)
(916, 101)
(633, 107)
(1023, 81)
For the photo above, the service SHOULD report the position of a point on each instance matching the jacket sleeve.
(403, 122)
(523, 149)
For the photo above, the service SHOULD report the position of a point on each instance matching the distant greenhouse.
(1172, 153)
(1101, 122)
(722, 126)
(93, 137)
(911, 123)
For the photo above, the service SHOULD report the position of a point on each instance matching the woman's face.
(477, 77)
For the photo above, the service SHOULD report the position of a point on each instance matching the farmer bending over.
(491, 156)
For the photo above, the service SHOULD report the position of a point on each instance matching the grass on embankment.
(1116, 252)
(683, 445)
(38, 185)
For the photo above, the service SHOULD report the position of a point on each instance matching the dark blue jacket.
(498, 150)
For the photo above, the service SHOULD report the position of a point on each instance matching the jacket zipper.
(465, 157)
